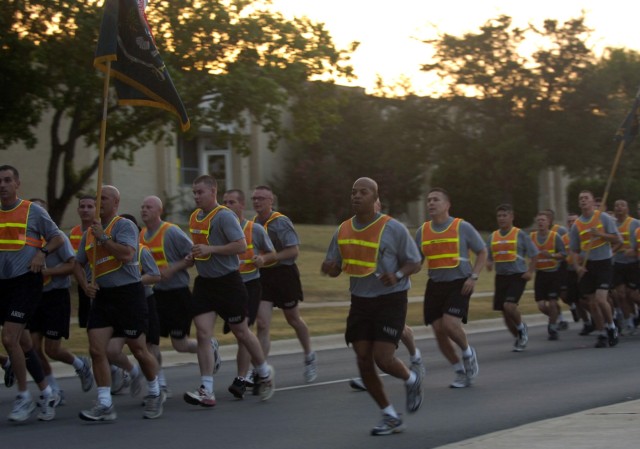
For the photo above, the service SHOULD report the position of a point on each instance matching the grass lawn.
(317, 288)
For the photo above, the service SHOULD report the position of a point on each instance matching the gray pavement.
(616, 426)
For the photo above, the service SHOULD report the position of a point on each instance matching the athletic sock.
(104, 396)
(207, 382)
(412, 378)
(153, 387)
(389, 410)
(466, 353)
(78, 363)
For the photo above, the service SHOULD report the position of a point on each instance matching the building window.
(215, 160)
(202, 156)
(188, 161)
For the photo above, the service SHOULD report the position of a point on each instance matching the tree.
(511, 113)
(230, 60)
(387, 139)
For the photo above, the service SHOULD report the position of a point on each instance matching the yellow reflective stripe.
(21, 242)
(444, 256)
(358, 242)
(199, 231)
(450, 240)
(13, 225)
(360, 263)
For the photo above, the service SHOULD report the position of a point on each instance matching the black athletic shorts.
(281, 286)
(377, 319)
(153, 331)
(84, 304)
(20, 297)
(445, 297)
(225, 295)
(508, 288)
(51, 318)
(573, 293)
(598, 276)
(123, 308)
(173, 312)
(627, 274)
(547, 285)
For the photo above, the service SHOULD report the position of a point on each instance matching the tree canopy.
(230, 60)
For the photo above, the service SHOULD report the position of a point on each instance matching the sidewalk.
(614, 427)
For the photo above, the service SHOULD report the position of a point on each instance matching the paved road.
(550, 379)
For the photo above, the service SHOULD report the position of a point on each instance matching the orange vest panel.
(13, 228)
(586, 243)
(504, 248)
(544, 262)
(105, 262)
(199, 229)
(441, 249)
(359, 247)
(156, 244)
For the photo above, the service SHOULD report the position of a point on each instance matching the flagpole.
(607, 189)
(103, 139)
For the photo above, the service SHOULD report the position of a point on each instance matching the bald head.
(151, 211)
(367, 183)
(111, 191)
(109, 202)
(364, 195)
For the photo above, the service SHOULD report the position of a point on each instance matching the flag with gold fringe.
(141, 77)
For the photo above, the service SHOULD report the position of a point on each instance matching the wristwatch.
(474, 277)
(45, 250)
(104, 238)
(399, 274)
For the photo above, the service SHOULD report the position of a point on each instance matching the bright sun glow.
(390, 31)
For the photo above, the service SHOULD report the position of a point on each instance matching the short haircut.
(587, 191)
(239, 192)
(504, 207)
(206, 179)
(263, 187)
(546, 213)
(14, 170)
(440, 190)
(86, 196)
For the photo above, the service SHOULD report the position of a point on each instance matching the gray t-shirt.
(602, 252)
(619, 256)
(125, 233)
(261, 244)
(524, 248)
(469, 240)
(148, 264)
(63, 254)
(177, 245)
(396, 249)
(39, 225)
(223, 229)
(282, 235)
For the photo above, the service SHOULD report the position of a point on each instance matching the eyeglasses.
(259, 198)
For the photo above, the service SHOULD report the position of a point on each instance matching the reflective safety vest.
(105, 262)
(565, 239)
(271, 218)
(13, 228)
(155, 243)
(504, 248)
(442, 249)
(246, 258)
(199, 229)
(75, 237)
(549, 245)
(624, 230)
(359, 247)
(586, 243)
